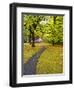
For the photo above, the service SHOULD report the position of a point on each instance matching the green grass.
(29, 51)
(51, 60)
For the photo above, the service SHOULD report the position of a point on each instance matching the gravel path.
(30, 66)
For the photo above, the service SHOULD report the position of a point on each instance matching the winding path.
(30, 66)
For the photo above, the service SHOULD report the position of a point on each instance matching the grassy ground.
(30, 51)
(51, 61)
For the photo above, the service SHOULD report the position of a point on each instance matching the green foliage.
(55, 27)
(48, 28)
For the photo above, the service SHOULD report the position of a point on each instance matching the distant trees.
(48, 28)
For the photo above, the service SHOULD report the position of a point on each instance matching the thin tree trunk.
(33, 39)
(30, 38)
(53, 42)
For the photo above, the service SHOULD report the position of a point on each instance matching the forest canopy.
(48, 28)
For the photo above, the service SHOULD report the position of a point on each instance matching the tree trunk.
(30, 38)
(53, 42)
(33, 39)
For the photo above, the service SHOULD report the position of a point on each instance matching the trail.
(30, 66)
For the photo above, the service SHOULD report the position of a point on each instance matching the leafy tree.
(31, 23)
(55, 27)
(49, 28)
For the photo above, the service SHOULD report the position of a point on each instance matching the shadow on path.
(30, 66)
